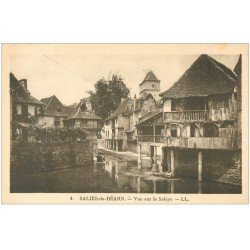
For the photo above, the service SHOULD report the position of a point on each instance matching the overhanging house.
(200, 123)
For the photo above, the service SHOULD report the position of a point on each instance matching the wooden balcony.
(151, 138)
(189, 115)
(201, 142)
(192, 142)
(222, 114)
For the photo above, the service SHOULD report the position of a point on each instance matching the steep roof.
(237, 68)
(139, 101)
(76, 113)
(54, 107)
(22, 95)
(120, 110)
(150, 77)
(205, 77)
(149, 116)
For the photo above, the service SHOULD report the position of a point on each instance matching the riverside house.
(119, 130)
(195, 133)
(24, 109)
(76, 116)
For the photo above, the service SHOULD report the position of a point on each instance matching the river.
(118, 174)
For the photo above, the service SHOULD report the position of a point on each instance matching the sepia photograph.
(114, 120)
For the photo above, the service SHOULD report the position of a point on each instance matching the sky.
(70, 75)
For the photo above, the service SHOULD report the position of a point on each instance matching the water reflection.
(128, 178)
(114, 175)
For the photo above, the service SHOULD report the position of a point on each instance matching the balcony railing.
(220, 114)
(191, 142)
(151, 138)
(201, 142)
(190, 115)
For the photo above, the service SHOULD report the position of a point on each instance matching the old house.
(54, 112)
(120, 132)
(82, 116)
(195, 136)
(25, 109)
(116, 125)
(237, 71)
(137, 110)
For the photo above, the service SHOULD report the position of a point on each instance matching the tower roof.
(150, 77)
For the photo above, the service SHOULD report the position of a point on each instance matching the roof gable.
(205, 77)
(22, 95)
(75, 112)
(237, 68)
(120, 109)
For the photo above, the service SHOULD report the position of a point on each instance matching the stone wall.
(35, 157)
(217, 165)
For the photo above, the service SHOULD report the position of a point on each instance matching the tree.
(107, 95)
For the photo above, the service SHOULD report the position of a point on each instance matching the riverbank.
(118, 153)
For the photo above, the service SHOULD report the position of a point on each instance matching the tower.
(150, 84)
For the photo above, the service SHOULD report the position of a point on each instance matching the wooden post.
(172, 187)
(138, 184)
(139, 156)
(116, 145)
(172, 161)
(154, 186)
(154, 132)
(155, 156)
(200, 166)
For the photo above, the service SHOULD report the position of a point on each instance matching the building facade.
(24, 109)
(82, 116)
(54, 112)
(119, 130)
(195, 134)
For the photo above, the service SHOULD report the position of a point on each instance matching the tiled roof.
(139, 101)
(54, 107)
(205, 77)
(149, 116)
(22, 95)
(120, 110)
(237, 68)
(76, 113)
(150, 77)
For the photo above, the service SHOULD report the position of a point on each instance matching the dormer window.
(83, 107)
(58, 110)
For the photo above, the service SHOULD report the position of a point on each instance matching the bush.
(36, 133)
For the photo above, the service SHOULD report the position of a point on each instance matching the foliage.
(107, 95)
(37, 133)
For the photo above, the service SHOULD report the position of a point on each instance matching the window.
(57, 121)
(153, 85)
(77, 124)
(173, 130)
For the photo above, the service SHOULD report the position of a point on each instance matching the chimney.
(23, 82)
